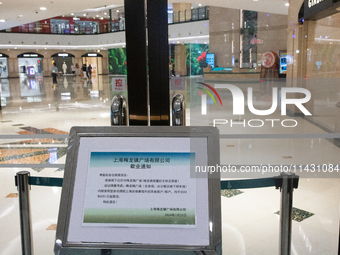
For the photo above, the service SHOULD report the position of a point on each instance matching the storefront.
(31, 76)
(30, 64)
(3, 66)
(63, 61)
(96, 62)
(60, 26)
(86, 27)
(316, 48)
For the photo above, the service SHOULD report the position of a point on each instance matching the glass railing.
(85, 26)
(201, 13)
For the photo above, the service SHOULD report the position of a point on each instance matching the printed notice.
(131, 189)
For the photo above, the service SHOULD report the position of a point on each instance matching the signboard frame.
(211, 134)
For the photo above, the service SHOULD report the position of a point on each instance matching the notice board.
(134, 188)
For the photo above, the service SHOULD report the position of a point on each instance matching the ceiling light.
(72, 13)
(199, 5)
(105, 13)
(286, 4)
(0, 2)
(43, 8)
(117, 10)
(97, 16)
(255, 0)
(101, 18)
(84, 14)
(2, 20)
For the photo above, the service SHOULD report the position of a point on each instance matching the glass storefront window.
(86, 27)
(60, 26)
(3, 68)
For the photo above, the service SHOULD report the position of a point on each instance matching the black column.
(158, 57)
(135, 34)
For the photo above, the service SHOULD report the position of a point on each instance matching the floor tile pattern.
(12, 195)
(299, 215)
(52, 227)
(230, 192)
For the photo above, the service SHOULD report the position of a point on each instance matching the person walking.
(73, 69)
(84, 71)
(89, 70)
(55, 74)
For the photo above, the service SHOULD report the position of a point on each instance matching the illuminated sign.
(92, 54)
(30, 55)
(311, 3)
(210, 59)
(62, 55)
(0, 55)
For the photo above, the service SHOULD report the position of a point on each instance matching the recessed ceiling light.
(72, 13)
(43, 8)
(2, 20)
(105, 13)
(255, 0)
(0, 2)
(97, 16)
(84, 14)
(117, 10)
(286, 4)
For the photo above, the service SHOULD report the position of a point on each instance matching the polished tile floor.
(249, 216)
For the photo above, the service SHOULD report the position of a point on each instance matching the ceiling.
(18, 12)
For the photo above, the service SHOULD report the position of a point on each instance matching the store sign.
(62, 55)
(255, 40)
(177, 83)
(92, 54)
(30, 55)
(118, 84)
(268, 60)
(314, 8)
(313, 2)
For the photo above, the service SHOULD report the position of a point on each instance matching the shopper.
(55, 73)
(73, 69)
(89, 71)
(84, 71)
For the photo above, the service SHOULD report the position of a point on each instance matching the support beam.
(158, 57)
(136, 54)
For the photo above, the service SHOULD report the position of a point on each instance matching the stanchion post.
(25, 212)
(287, 186)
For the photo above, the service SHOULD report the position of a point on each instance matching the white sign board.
(118, 84)
(135, 186)
(177, 83)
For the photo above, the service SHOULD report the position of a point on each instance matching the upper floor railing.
(84, 26)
